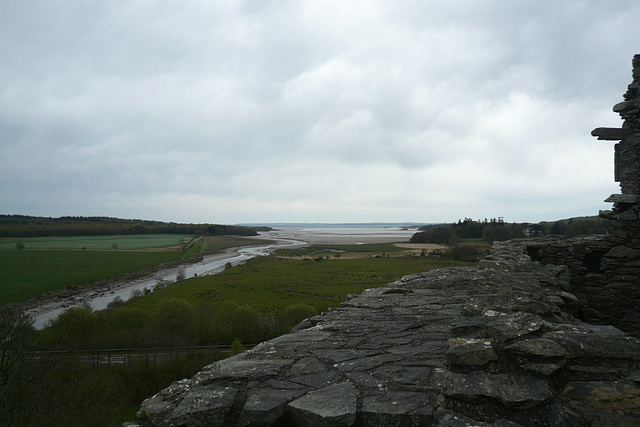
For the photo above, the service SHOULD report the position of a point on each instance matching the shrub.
(296, 313)
(468, 252)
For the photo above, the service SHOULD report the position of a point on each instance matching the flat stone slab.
(334, 405)
(507, 389)
(481, 346)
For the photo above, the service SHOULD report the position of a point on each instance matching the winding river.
(210, 264)
(98, 299)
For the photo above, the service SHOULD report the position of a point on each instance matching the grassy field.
(28, 274)
(354, 251)
(57, 262)
(220, 243)
(270, 284)
(124, 242)
(249, 303)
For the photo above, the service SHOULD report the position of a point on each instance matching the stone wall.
(494, 345)
(534, 336)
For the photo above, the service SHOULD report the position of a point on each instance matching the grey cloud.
(310, 110)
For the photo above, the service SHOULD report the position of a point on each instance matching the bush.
(468, 252)
(296, 313)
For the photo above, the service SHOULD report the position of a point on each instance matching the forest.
(34, 226)
(499, 230)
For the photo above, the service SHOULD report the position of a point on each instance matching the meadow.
(244, 304)
(123, 242)
(30, 273)
(50, 263)
(251, 303)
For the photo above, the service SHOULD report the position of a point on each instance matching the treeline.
(40, 388)
(43, 383)
(499, 230)
(32, 226)
(173, 323)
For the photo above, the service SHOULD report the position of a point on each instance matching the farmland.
(49, 263)
(123, 242)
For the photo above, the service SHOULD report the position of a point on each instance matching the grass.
(56, 262)
(124, 242)
(28, 274)
(314, 251)
(270, 284)
(215, 244)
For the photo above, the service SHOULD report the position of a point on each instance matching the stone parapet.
(495, 345)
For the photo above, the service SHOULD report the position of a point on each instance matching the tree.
(19, 246)
(16, 370)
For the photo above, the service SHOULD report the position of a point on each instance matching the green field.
(56, 262)
(253, 302)
(123, 242)
(28, 274)
(371, 249)
(270, 284)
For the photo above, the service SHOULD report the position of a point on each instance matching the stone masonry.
(494, 345)
(541, 333)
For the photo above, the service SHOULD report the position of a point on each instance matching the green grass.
(313, 251)
(214, 244)
(28, 274)
(270, 284)
(124, 242)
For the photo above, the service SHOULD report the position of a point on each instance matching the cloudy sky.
(311, 111)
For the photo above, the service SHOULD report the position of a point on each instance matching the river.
(98, 299)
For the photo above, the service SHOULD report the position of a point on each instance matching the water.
(289, 236)
(211, 264)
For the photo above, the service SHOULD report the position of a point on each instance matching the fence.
(125, 356)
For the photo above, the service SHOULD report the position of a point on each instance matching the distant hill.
(35, 226)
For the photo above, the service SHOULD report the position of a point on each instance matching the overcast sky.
(311, 111)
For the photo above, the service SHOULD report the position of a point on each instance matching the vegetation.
(498, 230)
(253, 302)
(123, 242)
(368, 250)
(31, 226)
(28, 274)
(65, 388)
(244, 304)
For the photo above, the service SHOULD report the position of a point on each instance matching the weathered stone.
(334, 405)
(507, 389)
(514, 325)
(623, 252)
(611, 134)
(537, 347)
(600, 399)
(396, 408)
(546, 369)
(266, 406)
(585, 344)
(470, 351)
(241, 367)
(157, 407)
(366, 363)
(448, 418)
(206, 405)
(319, 380)
(623, 198)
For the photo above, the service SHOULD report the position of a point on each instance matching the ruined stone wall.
(602, 273)
(496, 345)
(509, 343)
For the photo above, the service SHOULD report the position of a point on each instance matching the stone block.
(511, 390)
(334, 405)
